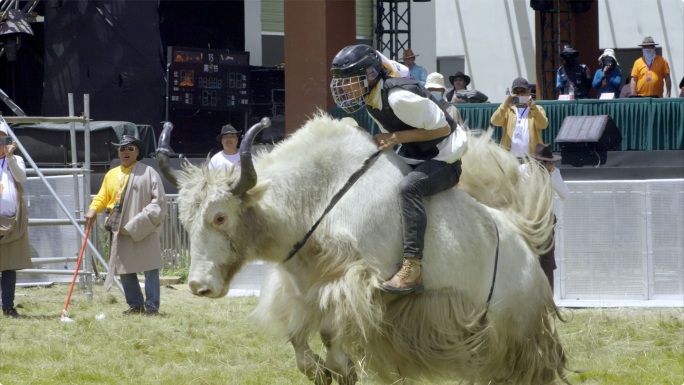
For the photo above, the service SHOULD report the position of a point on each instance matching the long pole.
(65, 315)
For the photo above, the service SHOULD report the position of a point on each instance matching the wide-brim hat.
(435, 80)
(520, 83)
(225, 130)
(568, 51)
(608, 53)
(128, 139)
(460, 74)
(408, 53)
(543, 152)
(648, 42)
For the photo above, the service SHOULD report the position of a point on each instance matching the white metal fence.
(618, 243)
(621, 243)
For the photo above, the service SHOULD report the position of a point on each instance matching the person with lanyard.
(522, 120)
(15, 252)
(134, 199)
(229, 157)
(428, 141)
(649, 72)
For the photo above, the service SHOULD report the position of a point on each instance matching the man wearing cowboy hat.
(649, 72)
(546, 158)
(460, 82)
(133, 196)
(608, 78)
(415, 71)
(229, 157)
(573, 78)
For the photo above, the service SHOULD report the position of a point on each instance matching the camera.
(520, 99)
(6, 140)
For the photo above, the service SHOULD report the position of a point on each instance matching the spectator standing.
(435, 84)
(573, 78)
(229, 156)
(608, 78)
(546, 158)
(460, 82)
(428, 140)
(521, 118)
(681, 88)
(649, 72)
(134, 199)
(15, 253)
(415, 71)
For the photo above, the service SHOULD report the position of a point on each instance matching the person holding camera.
(521, 118)
(15, 253)
(608, 78)
(133, 196)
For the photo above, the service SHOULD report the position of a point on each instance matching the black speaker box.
(589, 134)
(586, 140)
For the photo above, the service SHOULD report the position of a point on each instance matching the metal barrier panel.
(52, 241)
(667, 245)
(621, 242)
(618, 243)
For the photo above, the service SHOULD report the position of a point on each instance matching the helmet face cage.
(351, 93)
(355, 70)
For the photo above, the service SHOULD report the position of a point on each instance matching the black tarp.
(111, 50)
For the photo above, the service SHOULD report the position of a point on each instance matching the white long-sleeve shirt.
(559, 186)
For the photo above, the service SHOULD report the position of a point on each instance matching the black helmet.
(355, 69)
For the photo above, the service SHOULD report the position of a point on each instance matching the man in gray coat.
(134, 199)
(15, 253)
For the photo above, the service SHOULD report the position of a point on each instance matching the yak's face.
(211, 215)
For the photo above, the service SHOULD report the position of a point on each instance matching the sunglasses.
(519, 90)
(127, 148)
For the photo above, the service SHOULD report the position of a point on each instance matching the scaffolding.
(81, 196)
(556, 31)
(393, 27)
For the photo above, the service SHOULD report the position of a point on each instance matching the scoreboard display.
(208, 79)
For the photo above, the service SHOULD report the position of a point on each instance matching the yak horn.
(248, 176)
(163, 152)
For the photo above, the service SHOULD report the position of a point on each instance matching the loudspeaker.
(586, 140)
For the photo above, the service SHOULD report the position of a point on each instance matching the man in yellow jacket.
(522, 120)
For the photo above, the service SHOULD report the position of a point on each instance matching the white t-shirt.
(419, 112)
(221, 159)
(520, 144)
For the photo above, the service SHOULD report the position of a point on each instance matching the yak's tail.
(491, 175)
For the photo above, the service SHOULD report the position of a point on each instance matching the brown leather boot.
(407, 280)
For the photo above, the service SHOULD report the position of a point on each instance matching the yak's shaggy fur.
(331, 284)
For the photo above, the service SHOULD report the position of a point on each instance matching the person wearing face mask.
(649, 72)
(522, 120)
(573, 78)
(435, 84)
(608, 78)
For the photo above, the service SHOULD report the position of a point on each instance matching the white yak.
(474, 249)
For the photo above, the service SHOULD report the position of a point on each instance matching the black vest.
(390, 122)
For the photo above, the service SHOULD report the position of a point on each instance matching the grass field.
(202, 341)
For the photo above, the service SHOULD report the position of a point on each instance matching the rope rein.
(350, 182)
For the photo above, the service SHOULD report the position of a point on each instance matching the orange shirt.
(659, 71)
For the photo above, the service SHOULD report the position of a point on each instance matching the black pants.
(427, 178)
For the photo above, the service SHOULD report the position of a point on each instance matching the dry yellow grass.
(201, 341)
